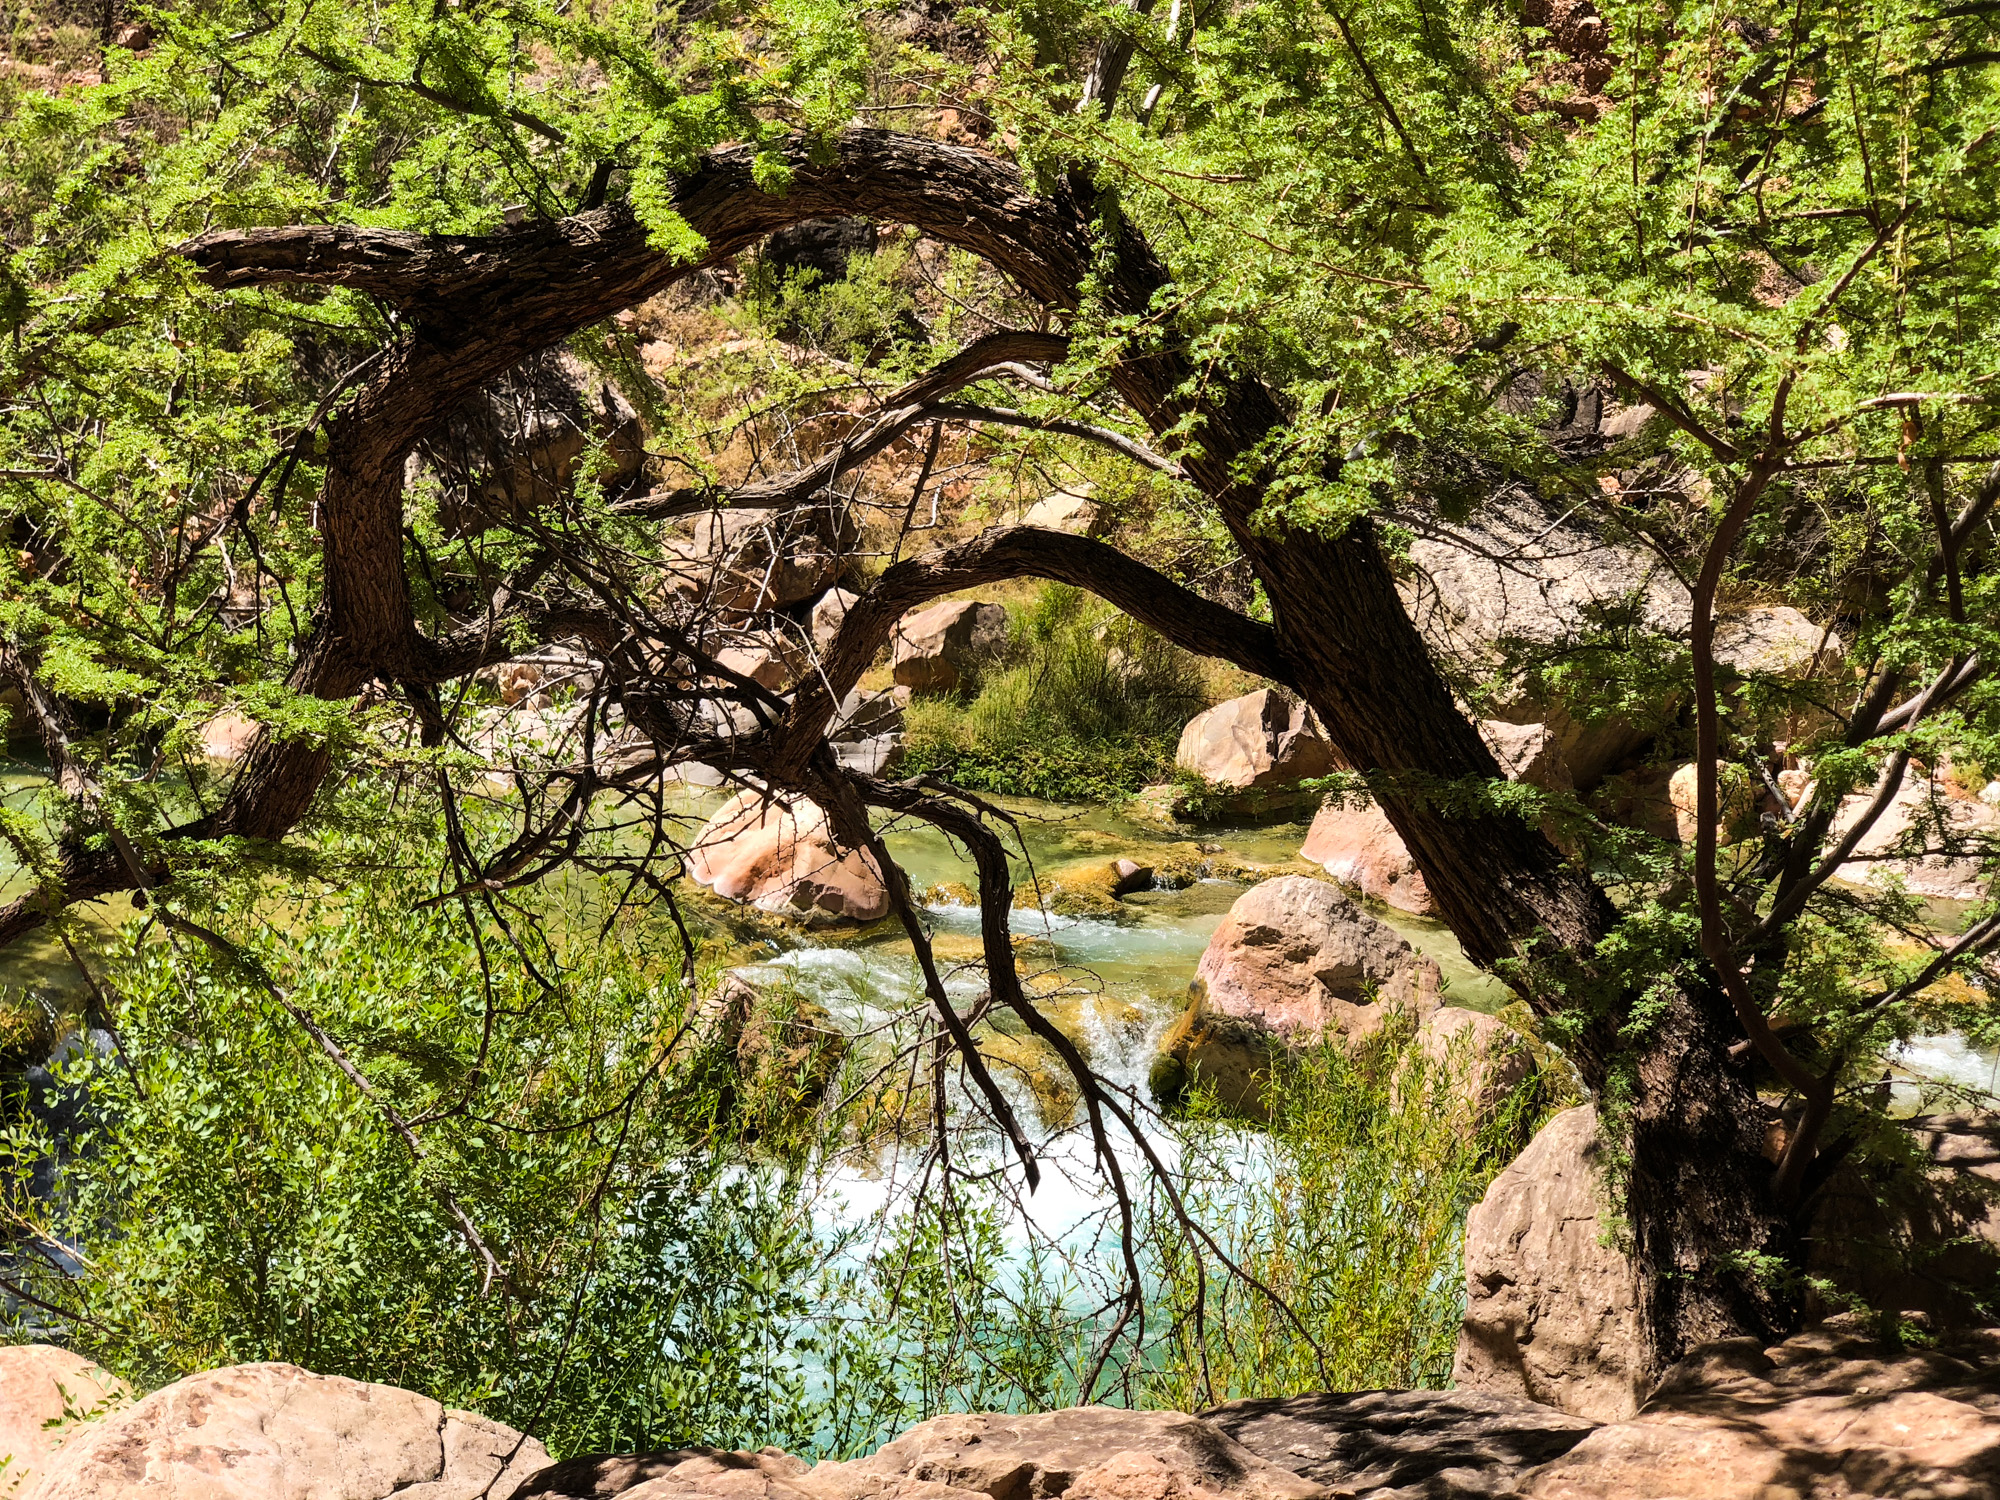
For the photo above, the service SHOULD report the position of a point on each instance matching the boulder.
(276, 1432)
(1387, 1445)
(1495, 1058)
(1520, 581)
(1263, 741)
(828, 611)
(1520, 571)
(1916, 1227)
(746, 561)
(47, 1395)
(1067, 510)
(1358, 847)
(1922, 804)
(1774, 640)
(1297, 957)
(1551, 1313)
(226, 738)
(822, 247)
(1736, 801)
(523, 438)
(780, 857)
(865, 716)
(1827, 1415)
(1132, 876)
(519, 683)
(1086, 1453)
(943, 648)
(1528, 752)
(766, 666)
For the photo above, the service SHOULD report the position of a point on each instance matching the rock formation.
(1264, 742)
(1828, 1415)
(1295, 955)
(1358, 847)
(1552, 1313)
(47, 1395)
(1293, 962)
(943, 648)
(745, 561)
(1832, 1414)
(780, 857)
(276, 1432)
(1385, 1444)
(1067, 510)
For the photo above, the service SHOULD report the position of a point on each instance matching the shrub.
(230, 1196)
(1088, 706)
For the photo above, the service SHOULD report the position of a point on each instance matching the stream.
(1138, 963)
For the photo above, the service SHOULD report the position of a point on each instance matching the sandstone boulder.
(276, 1432)
(770, 665)
(1946, 867)
(525, 437)
(1083, 1453)
(828, 611)
(1296, 956)
(1067, 510)
(1519, 570)
(1916, 1227)
(1532, 753)
(1388, 1445)
(1358, 847)
(47, 1397)
(1736, 802)
(1827, 1415)
(781, 858)
(1261, 744)
(1551, 1314)
(226, 738)
(1774, 640)
(943, 648)
(1521, 580)
(1492, 1056)
(1087, 1453)
(749, 560)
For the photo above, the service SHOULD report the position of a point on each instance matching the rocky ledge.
(1831, 1414)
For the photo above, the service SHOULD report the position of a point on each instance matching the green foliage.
(1087, 707)
(1352, 1214)
(235, 1198)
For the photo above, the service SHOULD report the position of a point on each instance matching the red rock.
(1262, 741)
(941, 649)
(1551, 1312)
(276, 1432)
(1297, 956)
(1359, 848)
(781, 858)
(47, 1396)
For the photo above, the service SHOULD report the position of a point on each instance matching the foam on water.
(1944, 1058)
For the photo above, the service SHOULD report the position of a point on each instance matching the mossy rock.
(1232, 1061)
(1085, 889)
(949, 893)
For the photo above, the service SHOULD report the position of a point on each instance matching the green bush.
(1087, 706)
(1353, 1217)
(231, 1196)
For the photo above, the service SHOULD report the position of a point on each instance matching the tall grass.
(1086, 705)
(1347, 1220)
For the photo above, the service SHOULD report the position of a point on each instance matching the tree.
(1320, 264)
